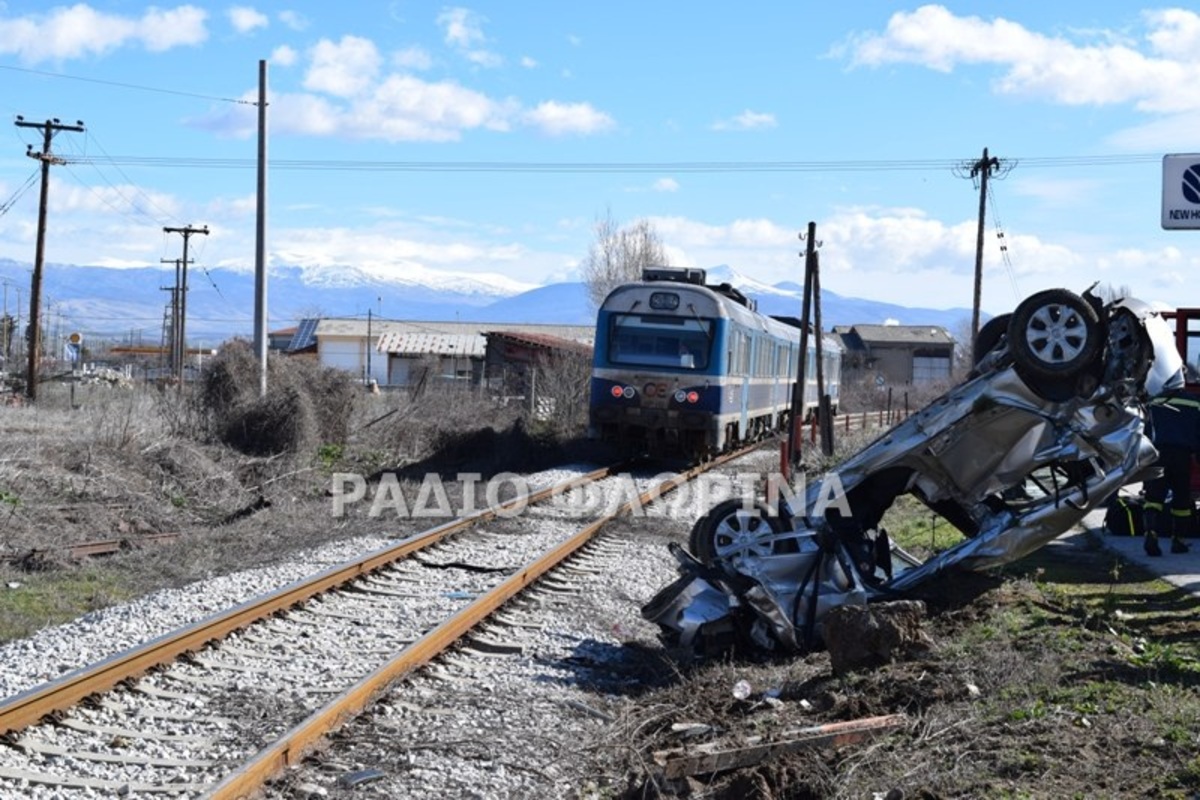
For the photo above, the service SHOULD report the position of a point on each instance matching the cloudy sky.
(489, 138)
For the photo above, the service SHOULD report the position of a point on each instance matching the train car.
(682, 368)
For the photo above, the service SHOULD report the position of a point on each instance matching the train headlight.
(664, 301)
(693, 397)
(617, 391)
(629, 392)
(680, 395)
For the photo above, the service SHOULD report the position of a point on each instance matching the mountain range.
(130, 304)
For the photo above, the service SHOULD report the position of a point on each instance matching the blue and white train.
(687, 369)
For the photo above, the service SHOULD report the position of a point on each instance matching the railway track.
(218, 708)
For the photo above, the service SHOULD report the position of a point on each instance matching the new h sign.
(1181, 192)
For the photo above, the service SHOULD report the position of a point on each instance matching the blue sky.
(729, 126)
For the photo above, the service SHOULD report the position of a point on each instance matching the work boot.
(1179, 545)
(1151, 544)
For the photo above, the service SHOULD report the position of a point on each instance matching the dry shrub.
(306, 404)
(281, 422)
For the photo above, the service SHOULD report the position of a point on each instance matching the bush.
(306, 405)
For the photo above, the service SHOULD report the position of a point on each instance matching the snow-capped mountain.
(130, 304)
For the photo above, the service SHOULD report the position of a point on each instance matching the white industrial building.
(389, 350)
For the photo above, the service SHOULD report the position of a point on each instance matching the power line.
(534, 167)
(138, 87)
(19, 192)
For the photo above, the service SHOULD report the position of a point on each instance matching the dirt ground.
(1067, 676)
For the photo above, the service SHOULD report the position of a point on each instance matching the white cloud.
(293, 20)
(414, 57)
(746, 121)
(462, 28)
(1109, 70)
(559, 119)
(666, 185)
(284, 56)
(80, 31)
(344, 68)
(463, 31)
(245, 19)
(528, 62)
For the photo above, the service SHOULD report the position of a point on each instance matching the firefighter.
(1174, 429)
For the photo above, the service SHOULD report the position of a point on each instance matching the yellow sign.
(75, 338)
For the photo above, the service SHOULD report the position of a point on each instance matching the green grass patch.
(918, 530)
(34, 601)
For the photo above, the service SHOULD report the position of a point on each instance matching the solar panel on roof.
(305, 336)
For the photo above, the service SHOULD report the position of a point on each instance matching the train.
(684, 368)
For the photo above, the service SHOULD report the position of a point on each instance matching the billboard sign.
(1181, 192)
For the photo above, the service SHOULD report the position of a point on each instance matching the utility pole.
(173, 330)
(260, 237)
(981, 169)
(181, 291)
(797, 415)
(49, 128)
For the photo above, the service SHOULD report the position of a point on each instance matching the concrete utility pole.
(49, 128)
(260, 237)
(180, 357)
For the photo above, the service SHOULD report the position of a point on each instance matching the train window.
(659, 341)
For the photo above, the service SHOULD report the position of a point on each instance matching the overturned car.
(1048, 425)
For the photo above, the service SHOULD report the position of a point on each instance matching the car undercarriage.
(1046, 427)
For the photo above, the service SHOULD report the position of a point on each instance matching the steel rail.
(293, 746)
(27, 708)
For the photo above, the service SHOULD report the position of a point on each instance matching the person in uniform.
(1174, 429)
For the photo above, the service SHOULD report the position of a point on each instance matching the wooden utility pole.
(797, 415)
(173, 329)
(181, 291)
(982, 168)
(49, 128)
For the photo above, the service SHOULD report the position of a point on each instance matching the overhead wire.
(10, 202)
(1002, 240)
(123, 85)
(583, 167)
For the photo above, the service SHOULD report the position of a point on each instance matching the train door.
(745, 363)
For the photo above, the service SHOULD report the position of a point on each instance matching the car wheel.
(731, 532)
(989, 336)
(1055, 336)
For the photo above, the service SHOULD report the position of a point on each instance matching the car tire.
(729, 529)
(988, 337)
(1055, 337)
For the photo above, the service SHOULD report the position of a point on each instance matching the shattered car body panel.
(1047, 427)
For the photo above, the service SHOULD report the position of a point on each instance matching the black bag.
(1124, 515)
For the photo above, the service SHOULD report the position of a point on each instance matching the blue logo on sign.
(1191, 184)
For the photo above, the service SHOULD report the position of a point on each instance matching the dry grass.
(243, 481)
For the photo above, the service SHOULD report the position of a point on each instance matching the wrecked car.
(1046, 427)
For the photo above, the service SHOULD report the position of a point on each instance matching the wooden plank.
(680, 763)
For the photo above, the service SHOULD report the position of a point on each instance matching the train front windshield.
(658, 340)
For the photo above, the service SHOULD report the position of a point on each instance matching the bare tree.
(618, 255)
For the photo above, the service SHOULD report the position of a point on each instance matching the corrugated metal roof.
(434, 344)
(381, 327)
(543, 340)
(900, 334)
